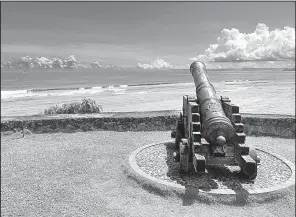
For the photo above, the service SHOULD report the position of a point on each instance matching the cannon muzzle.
(216, 127)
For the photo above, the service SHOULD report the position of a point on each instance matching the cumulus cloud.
(95, 64)
(70, 62)
(26, 62)
(57, 63)
(7, 64)
(26, 59)
(156, 64)
(262, 44)
(41, 62)
(82, 66)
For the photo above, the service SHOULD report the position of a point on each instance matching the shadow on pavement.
(215, 178)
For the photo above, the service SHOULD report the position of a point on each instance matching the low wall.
(256, 125)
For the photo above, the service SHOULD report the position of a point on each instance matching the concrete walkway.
(81, 174)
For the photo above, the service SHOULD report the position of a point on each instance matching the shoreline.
(273, 125)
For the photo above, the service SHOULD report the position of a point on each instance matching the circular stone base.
(153, 165)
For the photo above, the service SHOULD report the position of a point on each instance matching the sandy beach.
(260, 96)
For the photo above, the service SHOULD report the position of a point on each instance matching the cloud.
(161, 64)
(262, 44)
(156, 64)
(42, 62)
(26, 59)
(70, 62)
(57, 63)
(7, 64)
(95, 64)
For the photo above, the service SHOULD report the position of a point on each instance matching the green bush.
(85, 107)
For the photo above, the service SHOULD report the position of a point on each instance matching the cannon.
(209, 131)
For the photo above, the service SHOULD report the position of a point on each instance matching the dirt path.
(81, 174)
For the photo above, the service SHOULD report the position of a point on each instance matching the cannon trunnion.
(209, 131)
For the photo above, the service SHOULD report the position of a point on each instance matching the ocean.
(261, 91)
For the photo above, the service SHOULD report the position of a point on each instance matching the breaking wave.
(70, 91)
(237, 82)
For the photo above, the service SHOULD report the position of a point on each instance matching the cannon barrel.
(216, 127)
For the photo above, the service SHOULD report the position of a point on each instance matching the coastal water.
(268, 91)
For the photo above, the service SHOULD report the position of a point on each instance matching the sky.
(131, 33)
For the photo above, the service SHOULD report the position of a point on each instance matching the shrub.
(85, 107)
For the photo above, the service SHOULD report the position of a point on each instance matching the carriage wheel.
(184, 156)
(178, 139)
(249, 171)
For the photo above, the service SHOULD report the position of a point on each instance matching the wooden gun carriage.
(209, 131)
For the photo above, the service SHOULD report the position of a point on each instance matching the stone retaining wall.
(256, 125)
